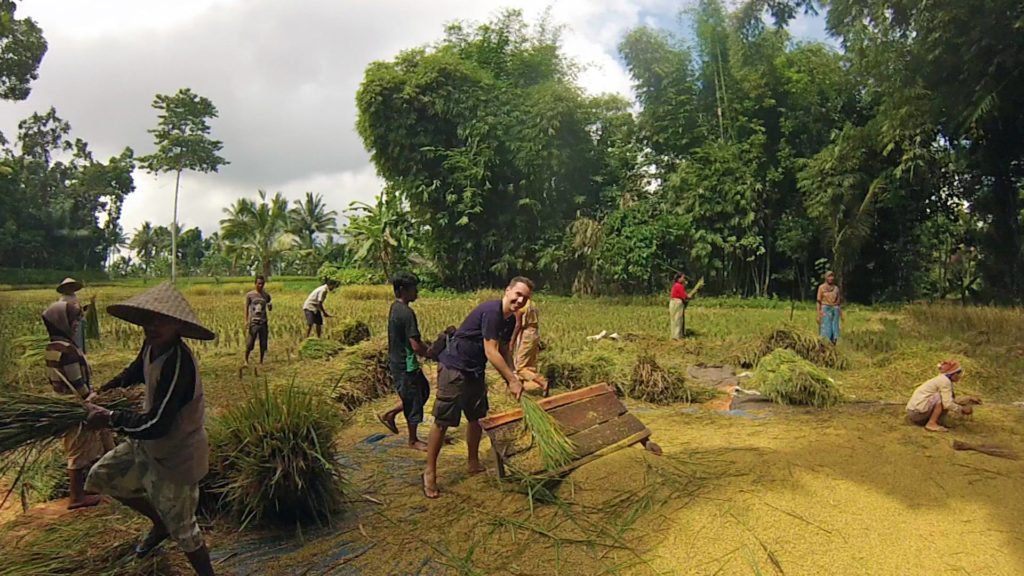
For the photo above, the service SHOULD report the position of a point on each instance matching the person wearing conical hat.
(936, 398)
(157, 470)
(69, 373)
(68, 290)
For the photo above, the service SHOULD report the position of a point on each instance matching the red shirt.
(679, 291)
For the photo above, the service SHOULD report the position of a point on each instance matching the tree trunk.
(174, 231)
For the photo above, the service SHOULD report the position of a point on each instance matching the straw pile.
(809, 347)
(652, 383)
(352, 332)
(319, 348)
(364, 374)
(786, 378)
(556, 450)
(274, 459)
(577, 370)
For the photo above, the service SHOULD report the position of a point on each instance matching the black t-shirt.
(402, 326)
(485, 322)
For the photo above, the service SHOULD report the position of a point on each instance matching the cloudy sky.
(283, 75)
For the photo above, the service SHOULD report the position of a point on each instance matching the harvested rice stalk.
(556, 450)
(352, 332)
(27, 418)
(364, 374)
(809, 347)
(787, 378)
(652, 383)
(319, 348)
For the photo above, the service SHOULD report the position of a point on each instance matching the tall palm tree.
(145, 245)
(116, 240)
(257, 231)
(310, 217)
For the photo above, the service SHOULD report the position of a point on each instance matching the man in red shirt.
(677, 308)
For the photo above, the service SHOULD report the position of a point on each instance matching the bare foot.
(418, 445)
(388, 423)
(85, 502)
(448, 440)
(430, 486)
(935, 428)
(475, 468)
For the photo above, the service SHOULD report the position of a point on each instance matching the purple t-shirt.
(466, 350)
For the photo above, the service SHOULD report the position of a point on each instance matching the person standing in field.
(68, 290)
(257, 306)
(156, 472)
(677, 308)
(404, 345)
(828, 308)
(313, 307)
(526, 344)
(936, 397)
(69, 373)
(483, 337)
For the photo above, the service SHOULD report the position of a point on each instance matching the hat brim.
(69, 287)
(143, 316)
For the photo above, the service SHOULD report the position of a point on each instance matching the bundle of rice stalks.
(809, 347)
(31, 350)
(787, 378)
(319, 348)
(581, 370)
(651, 382)
(274, 459)
(556, 450)
(34, 419)
(364, 374)
(352, 332)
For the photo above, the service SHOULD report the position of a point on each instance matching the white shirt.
(315, 297)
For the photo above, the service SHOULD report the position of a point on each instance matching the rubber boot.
(200, 561)
(77, 497)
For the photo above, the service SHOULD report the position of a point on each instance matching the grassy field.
(851, 490)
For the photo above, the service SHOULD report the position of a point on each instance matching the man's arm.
(496, 355)
(320, 304)
(71, 373)
(130, 375)
(946, 393)
(248, 301)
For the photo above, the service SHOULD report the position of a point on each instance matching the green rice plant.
(556, 450)
(786, 378)
(810, 347)
(352, 332)
(31, 349)
(319, 348)
(363, 375)
(652, 383)
(578, 370)
(275, 459)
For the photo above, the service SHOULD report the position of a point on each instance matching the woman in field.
(677, 308)
(526, 343)
(936, 397)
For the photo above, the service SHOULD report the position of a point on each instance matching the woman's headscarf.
(58, 318)
(949, 367)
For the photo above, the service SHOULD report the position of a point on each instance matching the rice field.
(847, 490)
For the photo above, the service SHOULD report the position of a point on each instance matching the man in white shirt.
(313, 307)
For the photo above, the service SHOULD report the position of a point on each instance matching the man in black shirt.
(483, 337)
(404, 345)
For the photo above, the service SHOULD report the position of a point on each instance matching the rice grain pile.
(786, 378)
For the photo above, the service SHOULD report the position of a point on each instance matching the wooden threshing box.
(594, 418)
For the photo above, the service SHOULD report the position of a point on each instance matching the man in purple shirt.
(483, 337)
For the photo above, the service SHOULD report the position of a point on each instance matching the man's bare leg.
(318, 330)
(473, 433)
(933, 421)
(434, 443)
(414, 440)
(200, 561)
(388, 418)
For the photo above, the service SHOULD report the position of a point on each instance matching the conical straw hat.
(164, 300)
(69, 286)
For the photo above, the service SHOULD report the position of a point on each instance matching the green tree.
(256, 232)
(310, 217)
(183, 142)
(22, 47)
(381, 236)
(145, 245)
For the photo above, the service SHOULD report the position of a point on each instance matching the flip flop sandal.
(389, 425)
(150, 543)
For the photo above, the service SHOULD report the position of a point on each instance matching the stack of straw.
(787, 378)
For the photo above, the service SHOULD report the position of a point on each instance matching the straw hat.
(163, 300)
(69, 286)
(949, 367)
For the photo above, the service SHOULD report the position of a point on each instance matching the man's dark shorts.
(314, 318)
(261, 331)
(414, 390)
(459, 393)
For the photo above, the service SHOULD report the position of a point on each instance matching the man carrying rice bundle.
(483, 337)
(69, 373)
(936, 397)
(157, 471)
